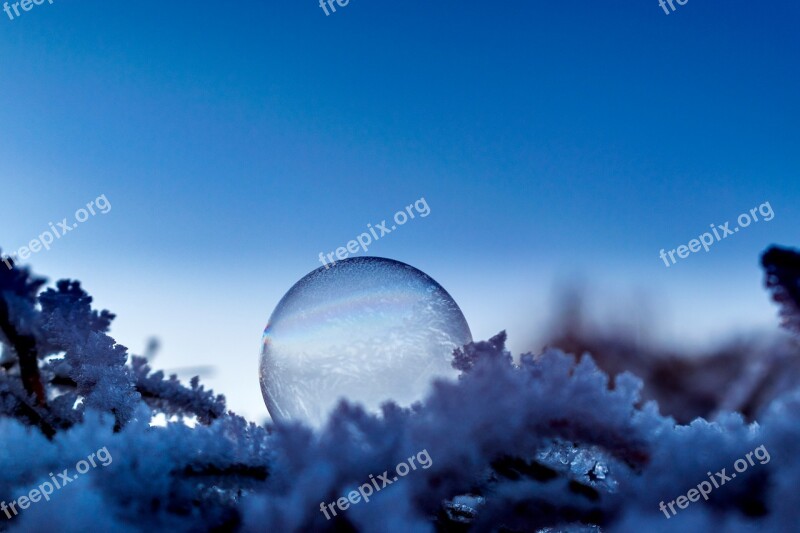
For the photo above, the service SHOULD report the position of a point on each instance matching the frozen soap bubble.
(367, 329)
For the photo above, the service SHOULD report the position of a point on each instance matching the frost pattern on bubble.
(367, 329)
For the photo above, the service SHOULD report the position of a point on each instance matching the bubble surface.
(366, 329)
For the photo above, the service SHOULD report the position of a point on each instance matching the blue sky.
(553, 141)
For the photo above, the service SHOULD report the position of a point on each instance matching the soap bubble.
(367, 329)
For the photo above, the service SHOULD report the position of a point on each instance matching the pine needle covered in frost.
(549, 444)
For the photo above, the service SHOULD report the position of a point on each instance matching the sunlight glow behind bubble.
(367, 329)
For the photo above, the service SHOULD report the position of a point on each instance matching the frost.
(549, 444)
(782, 266)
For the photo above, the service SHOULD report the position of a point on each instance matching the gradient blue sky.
(552, 141)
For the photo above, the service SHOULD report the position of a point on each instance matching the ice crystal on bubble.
(366, 329)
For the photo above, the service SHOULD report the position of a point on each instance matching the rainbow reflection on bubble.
(366, 329)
